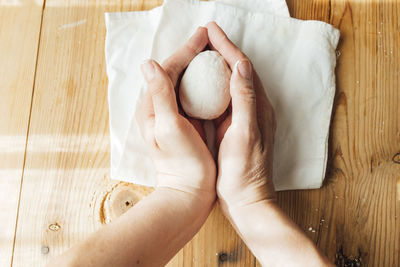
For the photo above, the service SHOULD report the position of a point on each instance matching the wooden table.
(54, 138)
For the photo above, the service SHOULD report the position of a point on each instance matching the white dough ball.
(204, 90)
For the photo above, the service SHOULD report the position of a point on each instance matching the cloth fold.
(295, 60)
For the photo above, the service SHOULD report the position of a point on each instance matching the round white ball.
(204, 89)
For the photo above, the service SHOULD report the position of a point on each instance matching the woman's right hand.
(245, 136)
(244, 184)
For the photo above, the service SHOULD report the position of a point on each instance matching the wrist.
(271, 235)
(245, 192)
(234, 209)
(193, 199)
(245, 200)
(202, 186)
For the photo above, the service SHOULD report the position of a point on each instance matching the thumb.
(243, 95)
(160, 88)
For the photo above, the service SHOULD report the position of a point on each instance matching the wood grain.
(217, 244)
(355, 215)
(66, 186)
(19, 35)
(67, 154)
(66, 176)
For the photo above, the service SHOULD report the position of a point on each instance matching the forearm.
(149, 234)
(273, 237)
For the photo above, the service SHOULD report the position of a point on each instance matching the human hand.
(245, 135)
(186, 179)
(176, 145)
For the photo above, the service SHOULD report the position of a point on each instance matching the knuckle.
(167, 126)
(162, 134)
(248, 134)
(191, 48)
(222, 38)
(246, 93)
(243, 57)
(172, 69)
(157, 89)
(160, 86)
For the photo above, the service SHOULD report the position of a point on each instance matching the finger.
(242, 89)
(220, 42)
(160, 88)
(175, 64)
(243, 95)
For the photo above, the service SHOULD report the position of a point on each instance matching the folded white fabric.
(295, 60)
(275, 7)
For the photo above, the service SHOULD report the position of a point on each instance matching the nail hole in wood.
(45, 249)
(222, 257)
(54, 227)
(396, 158)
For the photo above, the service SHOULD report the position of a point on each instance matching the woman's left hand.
(176, 143)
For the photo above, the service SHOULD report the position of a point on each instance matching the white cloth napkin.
(275, 7)
(295, 60)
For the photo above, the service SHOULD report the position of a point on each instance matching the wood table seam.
(27, 132)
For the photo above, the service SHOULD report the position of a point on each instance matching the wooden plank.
(355, 215)
(66, 180)
(19, 35)
(310, 9)
(217, 244)
(307, 207)
(67, 156)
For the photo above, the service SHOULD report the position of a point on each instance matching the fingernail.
(148, 70)
(244, 69)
